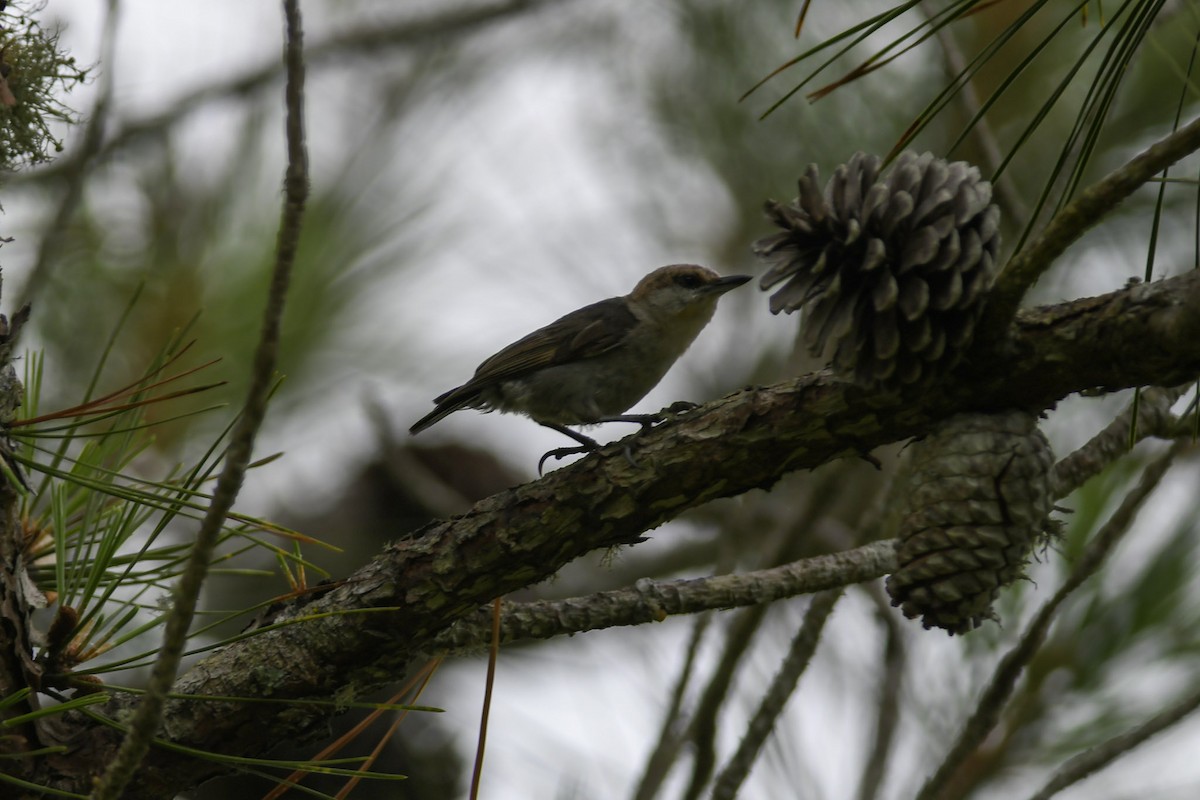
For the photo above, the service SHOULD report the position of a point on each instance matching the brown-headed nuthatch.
(591, 365)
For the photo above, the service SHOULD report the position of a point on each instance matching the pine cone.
(976, 497)
(892, 270)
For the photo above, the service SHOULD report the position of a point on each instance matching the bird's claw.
(560, 453)
(680, 406)
(627, 451)
(648, 421)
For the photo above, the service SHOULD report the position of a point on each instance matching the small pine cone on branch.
(891, 270)
(974, 498)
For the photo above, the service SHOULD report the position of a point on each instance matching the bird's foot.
(679, 407)
(560, 453)
(586, 445)
(648, 421)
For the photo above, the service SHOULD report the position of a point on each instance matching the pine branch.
(1154, 418)
(654, 601)
(1103, 754)
(369, 627)
(1084, 212)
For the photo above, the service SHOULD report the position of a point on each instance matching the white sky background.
(521, 166)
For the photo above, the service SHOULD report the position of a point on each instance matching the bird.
(593, 364)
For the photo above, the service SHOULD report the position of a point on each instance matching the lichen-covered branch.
(367, 42)
(654, 601)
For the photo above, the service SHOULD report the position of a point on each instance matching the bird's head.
(682, 291)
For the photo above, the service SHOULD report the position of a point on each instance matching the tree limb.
(363, 631)
(1083, 213)
(654, 601)
(1154, 418)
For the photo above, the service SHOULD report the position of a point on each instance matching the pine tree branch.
(654, 601)
(1083, 213)
(1153, 419)
(79, 169)
(366, 629)
(368, 42)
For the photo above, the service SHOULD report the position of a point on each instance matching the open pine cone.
(891, 270)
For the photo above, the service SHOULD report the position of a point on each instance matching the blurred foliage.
(199, 247)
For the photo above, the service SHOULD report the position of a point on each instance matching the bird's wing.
(584, 333)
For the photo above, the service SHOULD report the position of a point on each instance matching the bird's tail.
(447, 404)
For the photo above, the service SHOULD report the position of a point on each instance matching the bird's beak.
(722, 285)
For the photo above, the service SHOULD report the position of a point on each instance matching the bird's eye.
(688, 281)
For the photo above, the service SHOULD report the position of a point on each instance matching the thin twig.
(1086, 211)
(702, 731)
(670, 738)
(782, 686)
(488, 684)
(146, 718)
(652, 601)
(1004, 679)
(1105, 753)
(803, 645)
(887, 720)
(1153, 419)
(676, 723)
